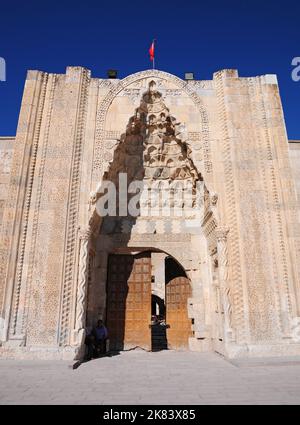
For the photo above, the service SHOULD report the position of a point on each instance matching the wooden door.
(178, 290)
(129, 301)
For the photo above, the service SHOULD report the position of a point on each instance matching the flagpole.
(152, 53)
(153, 64)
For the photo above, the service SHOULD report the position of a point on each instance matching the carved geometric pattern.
(40, 174)
(194, 136)
(233, 241)
(114, 135)
(21, 249)
(72, 222)
(13, 204)
(150, 237)
(265, 148)
(281, 288)
(221, 234)
(202, 84)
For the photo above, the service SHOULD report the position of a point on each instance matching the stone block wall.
(294, 155)
(6, 152)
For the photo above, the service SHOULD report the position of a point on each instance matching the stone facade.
(242, 257)
(294, 154)
(6, 151)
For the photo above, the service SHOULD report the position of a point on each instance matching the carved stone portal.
(223, 138)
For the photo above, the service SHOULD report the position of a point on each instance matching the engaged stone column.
(79, 332)
(221, 234)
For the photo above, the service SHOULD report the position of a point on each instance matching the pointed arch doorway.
(156, 150)
(132, 314)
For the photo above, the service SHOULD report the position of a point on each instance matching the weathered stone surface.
(6, 152)
(240, 246)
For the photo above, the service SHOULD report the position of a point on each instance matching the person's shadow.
(85, 360)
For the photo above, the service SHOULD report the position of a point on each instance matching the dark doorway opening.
(158, 325)
(158, 307)
(173, 269)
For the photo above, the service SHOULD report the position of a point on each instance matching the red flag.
(151, 51)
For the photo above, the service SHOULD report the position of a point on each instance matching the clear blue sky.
(256, 37)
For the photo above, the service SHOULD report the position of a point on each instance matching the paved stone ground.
(138, 377)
